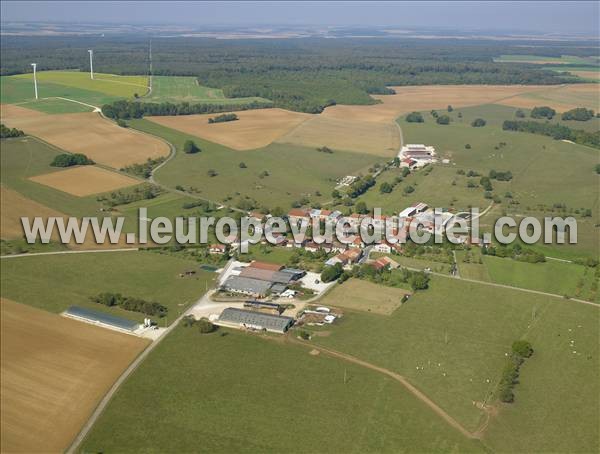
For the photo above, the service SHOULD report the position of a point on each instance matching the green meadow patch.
(296, 401)
(74, 278)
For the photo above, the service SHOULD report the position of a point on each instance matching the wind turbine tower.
(91, 64)
(35, 80)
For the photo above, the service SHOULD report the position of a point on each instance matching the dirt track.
(412, 389)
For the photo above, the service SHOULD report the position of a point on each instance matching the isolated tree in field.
(443, 120)
(385, 188)
(478, 123)
(543, 112)
(486, 183)
(415, 117)
(468, 146)
(190, 147)
(205, 326)
(520, 114)
(212, 173)
(361, 208)
(450, 108)
(408, 190)
(405, 172)
(522, 348)
(419, 281)
(243, 165)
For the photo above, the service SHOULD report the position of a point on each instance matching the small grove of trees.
(415, 117)
(145, 192)
(554, 130)
(443, 120)
(500, 176)
(360, 186)
(331, 273)
(361, 208)
(204, 325)
(6, 133)
(578, 114)
(418, 280)
(325, 149)
(223, 118)
(143, 170)
(478, 123)
(129, 303)
(68, 160)
(521, 350)
(190, 147)
(543, 112)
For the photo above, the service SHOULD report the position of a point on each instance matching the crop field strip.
(54, 372)
(87, 133)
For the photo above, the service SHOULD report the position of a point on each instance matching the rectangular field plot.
(254, 129)
(87, 133)
(361, 295)
(54, 372)
(85, 180)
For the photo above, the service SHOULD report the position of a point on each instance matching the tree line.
(125, 109)
(554, 130)
(6, 133)
(130, 303)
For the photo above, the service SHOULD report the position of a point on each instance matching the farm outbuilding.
(240, 318)
(101, 318)
(247, 285)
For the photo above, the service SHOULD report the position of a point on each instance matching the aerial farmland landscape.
(315, 227)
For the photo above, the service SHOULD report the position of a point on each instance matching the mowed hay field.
(54, 372)
(426, 97)
(85, 180)
(87, 133)
(561, 98)
(380, 139)
(254, 128)
(362, 295)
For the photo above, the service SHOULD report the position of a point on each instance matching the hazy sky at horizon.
(552, 17)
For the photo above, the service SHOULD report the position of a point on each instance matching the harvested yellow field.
(13, 207)
(254, 128)
(560, 98)
(427, 97)
(381, 139)
(85, 180)
(362, 295)
(54, 372)
(87, 133)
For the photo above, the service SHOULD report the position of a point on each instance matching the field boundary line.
(399, 378)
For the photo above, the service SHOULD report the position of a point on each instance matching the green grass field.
(240, 393)
(74, 85)
(178, 89)
(463, 330)
(54, 283)
(295, 172)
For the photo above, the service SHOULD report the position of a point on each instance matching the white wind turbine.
(35, 80)
(91, 64)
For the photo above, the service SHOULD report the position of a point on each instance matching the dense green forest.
(299, 74)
